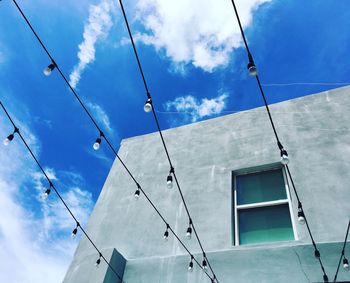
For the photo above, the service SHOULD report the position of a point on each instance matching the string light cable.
(342, 255)
(98, 141)
(284, 155)
(78, 226)
(148, 108)
(52, 186)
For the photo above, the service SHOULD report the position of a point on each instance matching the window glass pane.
(265, 224)
(260, 187)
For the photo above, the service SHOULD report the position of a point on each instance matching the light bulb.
(169, 182)
(166, 235)
(45, 194)
(74, 233)
(346, 264)
(252, 70)
(137, 194)
(8, 139)
(97, 143)
(301, 217)
(49, 69)
(190, 266)
(98, 261)
(204, 264)
(189, 233)
(148, 105)
(284, 157)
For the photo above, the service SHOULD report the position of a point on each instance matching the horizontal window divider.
(262, 204)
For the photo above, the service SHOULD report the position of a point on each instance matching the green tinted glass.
(260, 187)
(265, 224)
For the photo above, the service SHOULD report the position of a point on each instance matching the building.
(226, 167)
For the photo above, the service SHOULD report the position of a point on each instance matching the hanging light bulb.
(8, 139)
(137, 194)
(166, 233)
(148, 105)
(325, 278)
(284, 157)
(45, 194)
(169, 181)
(346, 264)
(190, 265)
(301, 216)
(49, 69)
(97, 143)
(252, 70)
(204, 262)
(317, 254)
(189, 231)
(75, 231)
(98, 261)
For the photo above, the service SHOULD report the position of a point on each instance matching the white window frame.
(236, 208)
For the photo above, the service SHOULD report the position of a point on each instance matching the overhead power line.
(53, 65)
(149, 107)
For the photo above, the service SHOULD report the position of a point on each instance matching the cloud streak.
(101, 116)
(97, 27)
(198, 32)
(195, 110)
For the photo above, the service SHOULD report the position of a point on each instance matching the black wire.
(274, 129)
(257, 78)
(160, 131)
(134, 47)
(101, 133)
(56, 191)
(342, 252)
(71, 213)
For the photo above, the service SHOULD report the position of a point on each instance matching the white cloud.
(200, 32)
(100, 115)
(195, 109)
(96, 28)
(32, 247)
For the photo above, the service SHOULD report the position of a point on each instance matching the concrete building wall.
(316, 132)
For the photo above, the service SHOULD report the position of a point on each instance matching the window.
(262, 208)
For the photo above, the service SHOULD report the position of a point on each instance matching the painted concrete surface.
(283, 264)
(316, 132)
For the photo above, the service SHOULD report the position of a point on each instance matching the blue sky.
(195, 66)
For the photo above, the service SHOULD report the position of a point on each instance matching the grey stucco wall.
(314, 129)
(83, 268)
